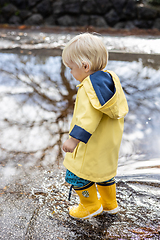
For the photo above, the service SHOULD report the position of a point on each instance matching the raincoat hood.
(116, 107)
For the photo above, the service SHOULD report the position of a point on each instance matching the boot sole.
(114, 211)
(99, 211)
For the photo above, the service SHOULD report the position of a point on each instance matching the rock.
(34, 10)
(8, 11)
(118, 5)
(97, 21)
(120, 25)
(35, 19)
(129, 10)
(50, 21)
(2, 20)
(24, 14)
(15, 20)
(124, 25)
(99, 13)
(21, 4)
(129, 25)
(66, 20)
(83, 20)
(2, 2)
(66, 7)
(112, 18)
(89, 7)
(146, 24)
(72, 7)
(32, 3)
(44, 8)
(157, 23)
(58, 8)
(103, 6)
(146, 13)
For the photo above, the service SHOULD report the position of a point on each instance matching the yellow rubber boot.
(108, 198)
(89, 205)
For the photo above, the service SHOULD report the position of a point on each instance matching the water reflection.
(141, 85)
(36, 104)
(37, 95)
(36, 100)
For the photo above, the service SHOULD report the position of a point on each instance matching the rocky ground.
(124, 14)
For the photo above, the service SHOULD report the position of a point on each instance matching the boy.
(96, 128)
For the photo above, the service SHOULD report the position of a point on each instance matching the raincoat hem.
(88, 177)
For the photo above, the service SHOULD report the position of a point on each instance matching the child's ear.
(86, 66)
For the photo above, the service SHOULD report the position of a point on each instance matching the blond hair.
(86, 48)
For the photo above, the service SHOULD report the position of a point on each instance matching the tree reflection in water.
(36, 105)
(37, 97)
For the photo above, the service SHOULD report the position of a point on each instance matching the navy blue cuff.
(80, 134)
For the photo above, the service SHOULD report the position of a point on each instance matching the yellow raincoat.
(98, 123)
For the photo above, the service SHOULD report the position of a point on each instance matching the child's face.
(79, 73)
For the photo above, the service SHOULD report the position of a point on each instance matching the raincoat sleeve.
(85, 118)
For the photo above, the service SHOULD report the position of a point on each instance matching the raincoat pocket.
(75, 152)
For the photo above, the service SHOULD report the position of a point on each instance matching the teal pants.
(75, 181)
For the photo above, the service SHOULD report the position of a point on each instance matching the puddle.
(37, 95)
(37, 98)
